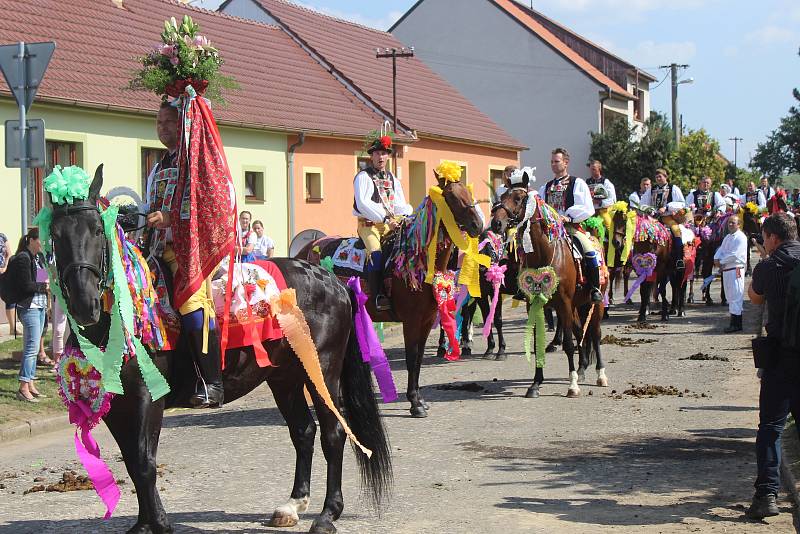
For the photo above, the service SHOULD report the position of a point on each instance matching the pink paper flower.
(174, 60)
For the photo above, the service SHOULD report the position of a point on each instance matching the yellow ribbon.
(469, 245)
(630, 229)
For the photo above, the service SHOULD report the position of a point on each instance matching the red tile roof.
(97, 44)
(523, 16)
(425, 102)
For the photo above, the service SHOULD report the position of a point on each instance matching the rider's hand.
(392, 224)
(661, 211)
(158, 219)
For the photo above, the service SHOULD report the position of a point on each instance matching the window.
(495, 178)
(57, 153)
(254, 186)
(313, 181)
(464, 175)
(150, 156)
(638, 106)
(362, 163)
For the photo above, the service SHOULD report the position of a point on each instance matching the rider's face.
(661, 179)
(558, 164)
(167, 127)
(645, 184)
(595, 170)
(379, 159)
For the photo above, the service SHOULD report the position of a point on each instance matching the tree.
(780, 153)
(616, 149)
(697, 155)
(655, 148)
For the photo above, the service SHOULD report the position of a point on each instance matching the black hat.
(381, 143)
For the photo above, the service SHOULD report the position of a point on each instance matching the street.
(486, 460)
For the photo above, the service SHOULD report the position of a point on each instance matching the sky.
(742, 54)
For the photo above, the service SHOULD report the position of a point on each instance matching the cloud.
(639, 6)
(650, 54)
(770, 35)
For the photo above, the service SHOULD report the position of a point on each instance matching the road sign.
(35, 151)
(24, 82)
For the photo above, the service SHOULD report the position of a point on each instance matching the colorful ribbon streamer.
(371, 350)
(443, 288)
(496, 275)
(88, 452)
(539, 285)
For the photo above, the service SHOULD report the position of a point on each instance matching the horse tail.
(363, 416)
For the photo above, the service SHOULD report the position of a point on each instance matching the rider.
(704, 201)
(636, 197)
(603, 193)
(571, 197)
(199, 308)
(379, 203)
(754, 195)
(666, 199)
(765, 188)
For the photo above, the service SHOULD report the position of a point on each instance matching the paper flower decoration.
(326, 263)
(67, 185)
(449, 171)
(386, 142)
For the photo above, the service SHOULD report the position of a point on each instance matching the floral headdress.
(379, 140)
(183, 58)
(449, 171)
(67, 185)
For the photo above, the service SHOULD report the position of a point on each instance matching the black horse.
(135, 420)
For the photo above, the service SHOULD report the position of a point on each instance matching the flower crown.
(67, 185)
(183, 58)
(449, 171)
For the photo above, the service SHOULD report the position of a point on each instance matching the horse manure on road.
(641, 326)
(624, 341)
(705, 357)
(651, 391)
(470, 386)
(70, 481)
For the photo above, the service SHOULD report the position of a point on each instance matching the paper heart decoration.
(538, 283)
(79, 380)
(443, 287)
(644, 263)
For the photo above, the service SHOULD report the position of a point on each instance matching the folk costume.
(756, 196)
(378, 197)
(635, 198)
(705, 202)
(732, 257)
(768, 191)
(604, 195)
(670, 198)
(571, 198)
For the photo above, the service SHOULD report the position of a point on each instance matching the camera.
(759, 239)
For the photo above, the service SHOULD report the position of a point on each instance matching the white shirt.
(612, 194)
(636, 197)
(364, 187)
(647, 197)
(762, 202)
(717, 201)
(263, 245)
(582, 208)
(733, 251)
(769, 193)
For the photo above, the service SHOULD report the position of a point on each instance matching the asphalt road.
(484, 461)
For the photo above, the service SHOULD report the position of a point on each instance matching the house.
(540, 81)
(91, 118)
(438, 120)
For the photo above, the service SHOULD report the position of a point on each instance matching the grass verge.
(12, 410)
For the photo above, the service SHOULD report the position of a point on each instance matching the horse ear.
(439, 179)
(97, 183)
(525, 179)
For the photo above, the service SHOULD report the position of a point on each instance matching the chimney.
(118, 3)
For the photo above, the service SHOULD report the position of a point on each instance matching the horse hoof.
(501, 356)
(532, 393)
(602, 382)
(550, 348)
(641, 319)
(425, 404)
(466, 351)
(418, 412)
(488, 355)
(629, 301)
(322, 527)
(681, 313)
(283, 519)
(440, 352)
(573, 393)
(144, 528)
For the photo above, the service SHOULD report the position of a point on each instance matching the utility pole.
(676, 126)
(735, 146)
(394, 53)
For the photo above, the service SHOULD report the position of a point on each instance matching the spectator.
(31, 307)
(731, 258)
(503, 187)
(59, 320)
(265, 246)
(11, 311)
(779, 368)
(247, 238)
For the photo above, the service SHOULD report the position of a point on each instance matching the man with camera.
(777, 356)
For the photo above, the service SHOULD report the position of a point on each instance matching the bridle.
(101, 271)
(513, 219)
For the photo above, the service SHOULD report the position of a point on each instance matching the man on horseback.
(197, 312)
(704, 201)
(603, 193)
(765, 188)
(379, 204)
(754, 195)
(635, 198)
(571, 197)
(666, 199)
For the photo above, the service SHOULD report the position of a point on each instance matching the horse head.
(619, 226)
(510, 210)
(81, 254)
(751, 222)
(459, 199)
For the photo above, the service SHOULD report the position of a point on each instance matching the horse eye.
(98, 232)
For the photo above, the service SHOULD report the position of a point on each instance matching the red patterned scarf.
(203, 217)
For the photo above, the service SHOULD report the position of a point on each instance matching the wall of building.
(117, 140)
(508, 73)
(247, 9)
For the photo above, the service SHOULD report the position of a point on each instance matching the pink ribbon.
(371, 350)
(496, 274)
(643, 272)
(89, 454)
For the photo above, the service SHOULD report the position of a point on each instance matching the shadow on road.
(214, 419)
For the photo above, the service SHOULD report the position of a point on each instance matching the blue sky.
(742, 53)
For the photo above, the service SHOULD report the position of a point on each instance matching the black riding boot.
(209, 392)
(592, 273)
(736, 324)
(375, 282)
(677, 252)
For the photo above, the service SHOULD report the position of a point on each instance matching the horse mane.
(410, 255)
(552, 223)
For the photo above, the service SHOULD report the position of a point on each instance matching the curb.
(789, 481)
(33, 427)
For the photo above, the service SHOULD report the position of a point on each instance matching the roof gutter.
(290, 177)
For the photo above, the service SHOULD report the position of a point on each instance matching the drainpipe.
(290, 174)
(605, 96)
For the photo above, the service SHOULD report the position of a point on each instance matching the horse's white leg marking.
(286, 515)
(602, 379)
(574, 390)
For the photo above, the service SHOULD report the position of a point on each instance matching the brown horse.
(415, 307)
(617, 238)
(571, 302)
(664, 269)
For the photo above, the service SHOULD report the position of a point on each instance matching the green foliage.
(697, 156)
(656, 146)
(741, 177)
(184, 55)
(780, 153)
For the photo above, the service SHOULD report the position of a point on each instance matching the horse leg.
(483, 304)
(333, 439)
(548, 317)
(135, 422)
(411, 338)
(498, 324)
(441, 346)
(748, 270)
(565, 316)
(291, 402)
(595, 332)
(625, 278)
(662, 290)
(557, 339)
(644, 293)
(467, 312)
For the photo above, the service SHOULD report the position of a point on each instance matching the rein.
(100, 271)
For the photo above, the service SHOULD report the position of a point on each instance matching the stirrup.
(382, 302)
(679, 264)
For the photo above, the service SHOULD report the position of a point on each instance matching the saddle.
(348, 255)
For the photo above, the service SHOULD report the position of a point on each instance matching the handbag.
(766, 351)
